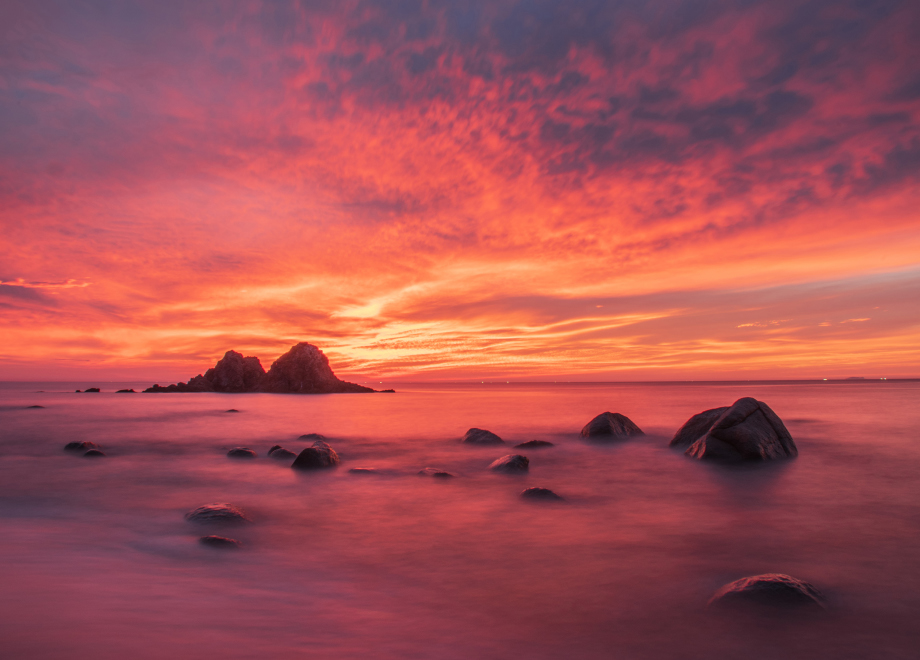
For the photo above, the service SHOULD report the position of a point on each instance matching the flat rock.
(90, 389)
(534, 444)
(537, 493)
(435, 472)
(214, 541)
(241, 452)
(232, 410)
(774, 589)
(93, 453)
(219, 513)
(481, 437)
(130, 391)
(364, 470)
(612, 426)
(28, 407)
(312, 436)
(748, 430)
(317, 457)
(511, 464)
(80, 446)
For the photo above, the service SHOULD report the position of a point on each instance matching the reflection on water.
(102, 564)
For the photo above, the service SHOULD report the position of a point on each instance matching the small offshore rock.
(774, 589)
(93, 453)
(241, 452)
(364, 470)
(512, 463)
(537, 493)
(214, 541)
(435, 472)
(388, 391)
(131, 391)
(35, 407)
(748, 430)
(317, 457)
(312, 436)
(219, 513)
(534, 444)
(481, 437)
(611, 425)
(90, 389)
(80, 446)
(232, 410)
(283, 454)
(273, 448)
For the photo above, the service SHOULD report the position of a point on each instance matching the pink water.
(100, 563)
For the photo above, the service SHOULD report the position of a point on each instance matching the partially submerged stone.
(232, 410)
(538, 493)
(312, 436)
(317, 457)
(435, 472)
(534, 444)
(214, 541)
(34, 407)
(241, 452)
(364, 470)
(93, 453)
(773, 589)
(219, 513)
(511, 464)
(280, 453)
(481, 437)
(80, 446)
(611, 425)
(128, 391)
(748, 430)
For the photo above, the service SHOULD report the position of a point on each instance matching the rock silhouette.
(220, 513)
(280, 453)
(534, 444)
(317, 457)
(312, 436)
(130, 391)
(511, 464)
(611, 425)
(773, 589)
(748, 430)
(35, 406)
(537, 493)
(94, 453)
(214, 541)
(80, 446)
(481, 437)
(241, 452)
(302, 370)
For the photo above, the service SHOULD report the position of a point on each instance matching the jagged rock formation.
(612, 426)
(302, 370)
(747, 430)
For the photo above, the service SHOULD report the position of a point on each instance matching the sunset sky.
(526, 190)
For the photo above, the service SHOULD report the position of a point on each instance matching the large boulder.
(317, 457)
(481, 437)
(220, 513)
(235, 373)
(305, 370)
(748, 430)
(774, 589)
(612, 426)
(511, 464)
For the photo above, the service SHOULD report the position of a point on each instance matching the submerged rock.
(35, 406)
(90, 389)
(537, 493)
(774, 589)
(748, 430)
(364, 470)
(435, 472)
(611, 425)
(130, 391)
(282, 454)
(317, 457)
(80, 446)
(93, 453)
(512, 463)
(312, 436)
(220, 513)
(534, 444)
(232, 410)
(214, 541)
(241, 452)
(481, 437)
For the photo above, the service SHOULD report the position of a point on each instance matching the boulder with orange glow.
(748, 430)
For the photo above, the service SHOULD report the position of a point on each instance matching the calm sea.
(100, 563)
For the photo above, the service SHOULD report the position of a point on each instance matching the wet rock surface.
(241, 452)
(534, 444)
(435, 472)
(481, 437)
(80, 446)
(771, 589)
(317, 457)
(611, 426)
(94, 453)
(218, 513)
(748, 430)
(538, 493)
(222, 542)
(511, 464)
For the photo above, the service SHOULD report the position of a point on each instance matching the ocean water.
(99, 561)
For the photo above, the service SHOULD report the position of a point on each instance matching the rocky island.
(302, 370)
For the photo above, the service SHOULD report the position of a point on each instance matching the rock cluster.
(302, 370)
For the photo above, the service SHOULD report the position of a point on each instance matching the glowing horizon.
(672, 190)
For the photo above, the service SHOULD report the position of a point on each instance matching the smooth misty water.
(100, 563)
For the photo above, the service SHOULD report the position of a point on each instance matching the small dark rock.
(537, 493)
(481, 437)
(512, 463)
(214, 541)
(435, 472)
(317, 457)
(78, 391)
(364, 470)
(241, 452)
(220, 513)
(312, 436)
(93, 453)
(90, 389)
(273, 448)
(534, 444)
(283, 454)
(29, 407)
(80, 446)
(388, 391)
(131, 391)
(774, 589)
(232, 410)
(612, 425)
